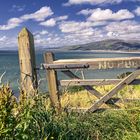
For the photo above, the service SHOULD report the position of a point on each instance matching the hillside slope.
(106, 45)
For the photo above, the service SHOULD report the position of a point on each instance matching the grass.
(78, 97)
(32, 118)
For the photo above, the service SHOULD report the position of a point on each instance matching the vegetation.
(29, 118)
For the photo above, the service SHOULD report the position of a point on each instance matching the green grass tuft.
(32, 118)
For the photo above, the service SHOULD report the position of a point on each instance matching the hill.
(112, 44)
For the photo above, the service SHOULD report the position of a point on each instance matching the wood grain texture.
(28, 76)
(104, 63)
(94, 82)
(69, 66)
(52, 82)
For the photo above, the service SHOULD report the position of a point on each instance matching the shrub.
(29, 118)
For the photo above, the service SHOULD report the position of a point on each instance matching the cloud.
(96, 2)
(12, 23)
(74, 33)
(8, 43)
(80, 32)
(44, 32)
(48, 40)
(137, 11)
(73, 26)
(39, 15)
(61, 18)
(18, 8)
(79, 37)
(52, 22)
(85, 32)
(112, 34)
(2, 39)
(107, 14)
(93, 2)
(85, 12)
(125, 29)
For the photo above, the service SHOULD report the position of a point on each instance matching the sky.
(56, 23)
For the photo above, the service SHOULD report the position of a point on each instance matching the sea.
(9, 66)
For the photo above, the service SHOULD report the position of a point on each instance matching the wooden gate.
(66, 65)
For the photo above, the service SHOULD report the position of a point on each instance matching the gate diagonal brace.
(117, 88)
(90, 88)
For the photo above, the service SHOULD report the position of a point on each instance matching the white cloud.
(44, 32)
(8, 43)
(107, 14)
(125, 29)
(39, 15)
(85, 12)
(73, 26)
(80, 32)
(98, 23)
(83, 34)
(95, 2)
(75, 33)
(12, 23)
(52, 22)
(137, 11)
(46, 41)
(112, 34)
(61, 18)
(2, 39)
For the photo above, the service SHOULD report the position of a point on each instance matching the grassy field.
(29, 118)
(78, 97)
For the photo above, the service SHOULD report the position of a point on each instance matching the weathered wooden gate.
(29, 75)
(66, 65)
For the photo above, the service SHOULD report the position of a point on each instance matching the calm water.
(9, 63)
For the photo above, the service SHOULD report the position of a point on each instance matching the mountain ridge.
(110, 44)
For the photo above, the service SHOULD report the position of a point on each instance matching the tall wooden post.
(28, 76)
(52, 82)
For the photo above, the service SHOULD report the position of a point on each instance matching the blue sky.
(56, 23)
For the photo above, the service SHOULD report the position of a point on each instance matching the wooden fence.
(29, 76)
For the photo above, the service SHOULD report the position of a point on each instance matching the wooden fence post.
(28, 76)
(52, 82)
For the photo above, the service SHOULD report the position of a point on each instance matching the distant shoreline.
(117, 51)
(114, 51)
(60, 50)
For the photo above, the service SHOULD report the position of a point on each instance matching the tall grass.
(32, 119)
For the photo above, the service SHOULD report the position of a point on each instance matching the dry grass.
(85, 99)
